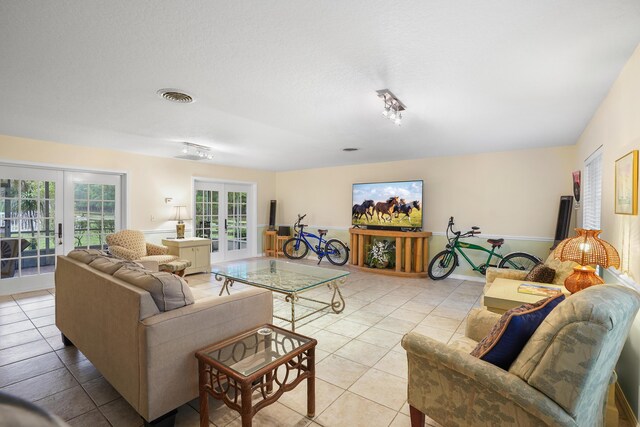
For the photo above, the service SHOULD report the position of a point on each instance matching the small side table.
(280, 243)
(244, 369)
(503, 294)
(271, 243)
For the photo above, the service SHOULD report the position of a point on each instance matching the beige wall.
(512, 193)
(616, 127)
(150, 179)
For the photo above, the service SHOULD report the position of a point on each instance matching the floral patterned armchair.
(130, 245)
(560, 378)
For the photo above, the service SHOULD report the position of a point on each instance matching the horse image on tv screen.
(388, 204)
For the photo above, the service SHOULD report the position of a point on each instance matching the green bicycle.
(443, 264)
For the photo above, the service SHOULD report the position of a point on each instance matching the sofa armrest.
(169, 341)
(122, 252)
(479, 323)
(455, 388)
(156, 249)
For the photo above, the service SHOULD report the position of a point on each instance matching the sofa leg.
(166, 420)
(417, 417)
(66, 341)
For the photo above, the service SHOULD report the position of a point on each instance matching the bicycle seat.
(496, 242)
(322, 232)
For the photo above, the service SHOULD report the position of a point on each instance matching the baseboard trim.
(467, 278)
(622, 401)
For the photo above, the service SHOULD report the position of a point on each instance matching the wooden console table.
(412, 251)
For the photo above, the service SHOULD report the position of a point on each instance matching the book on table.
(544, 291)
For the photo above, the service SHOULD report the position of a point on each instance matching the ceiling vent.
(175, 95)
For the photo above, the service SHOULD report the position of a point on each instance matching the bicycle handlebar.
(298, 224)
(474, 230)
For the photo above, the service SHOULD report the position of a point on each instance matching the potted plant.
(381, 255)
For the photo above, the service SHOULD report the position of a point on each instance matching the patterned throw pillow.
(508, 337)
(540, 273)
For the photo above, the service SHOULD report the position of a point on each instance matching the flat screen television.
(395, 204)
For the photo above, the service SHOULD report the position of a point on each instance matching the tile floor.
(361, 367)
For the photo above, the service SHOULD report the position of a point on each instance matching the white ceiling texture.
(288, 84)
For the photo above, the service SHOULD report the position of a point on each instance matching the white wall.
(513, 193)
(150, 179)
(616, 127)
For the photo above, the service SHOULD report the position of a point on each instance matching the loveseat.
(147, 354)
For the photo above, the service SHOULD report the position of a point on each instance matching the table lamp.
(181, 215)
(587, 249)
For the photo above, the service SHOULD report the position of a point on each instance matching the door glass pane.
(27, 227)
(207, 223)
(94, 214)
(236, 220)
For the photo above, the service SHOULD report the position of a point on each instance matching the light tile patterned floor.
(361, 367)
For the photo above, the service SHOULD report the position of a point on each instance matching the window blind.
(592, 191)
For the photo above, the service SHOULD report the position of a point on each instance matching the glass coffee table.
(288, 278)
(252, 370)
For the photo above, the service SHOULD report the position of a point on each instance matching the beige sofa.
(145, 354)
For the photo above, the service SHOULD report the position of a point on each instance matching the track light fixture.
(196, 152)
(392, 106)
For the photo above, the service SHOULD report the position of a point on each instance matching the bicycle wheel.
(294, 250)
(336, 252)
(518, 261)
(442, 265)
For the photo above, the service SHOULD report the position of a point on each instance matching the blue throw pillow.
(508, 337)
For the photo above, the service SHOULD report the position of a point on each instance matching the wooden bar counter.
(412, 251)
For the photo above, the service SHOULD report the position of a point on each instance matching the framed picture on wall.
(627, 184)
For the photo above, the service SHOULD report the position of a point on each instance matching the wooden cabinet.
(412, 251)
(195, 249)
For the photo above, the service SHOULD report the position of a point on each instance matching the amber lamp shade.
(181, 215)
(587, 249)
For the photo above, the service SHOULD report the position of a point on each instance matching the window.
(592, 191)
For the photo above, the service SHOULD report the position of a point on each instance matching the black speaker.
(284, 230)
(564, 220)
(272, 215)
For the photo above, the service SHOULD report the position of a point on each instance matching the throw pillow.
(540, 273)
(167, 290)
(508, 337)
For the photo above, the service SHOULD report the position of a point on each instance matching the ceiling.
(287, 84)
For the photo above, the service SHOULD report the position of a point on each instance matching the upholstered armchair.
(559, 379)
(130, 245)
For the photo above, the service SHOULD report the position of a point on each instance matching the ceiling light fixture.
(175, 95)
(392, 106)
(191, 151)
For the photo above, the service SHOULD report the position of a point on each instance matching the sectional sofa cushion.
(110, 265)
(85, 256)
(508, 337)
(167, 290)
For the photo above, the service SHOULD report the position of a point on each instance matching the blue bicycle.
(298, 246)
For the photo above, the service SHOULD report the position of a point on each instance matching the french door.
(223, 214)
(92, 209)
(45, 213)
(31, 210)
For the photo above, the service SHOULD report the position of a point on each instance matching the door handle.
(59, 233)
(225, 225)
